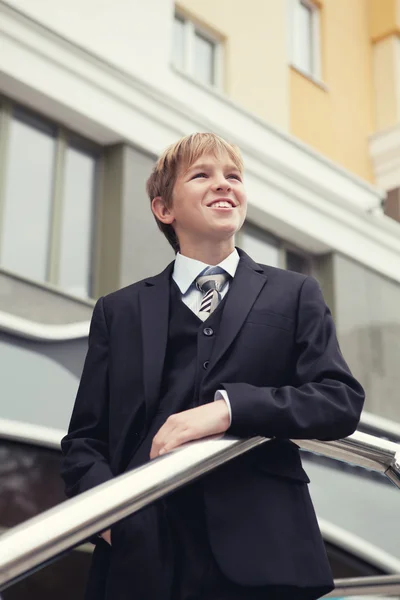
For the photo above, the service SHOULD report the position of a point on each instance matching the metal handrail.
(26, 547)
(377, 585)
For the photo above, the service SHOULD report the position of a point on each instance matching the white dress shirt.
(186, 270)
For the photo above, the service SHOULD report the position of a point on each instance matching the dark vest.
(189, 347)
(177, 525)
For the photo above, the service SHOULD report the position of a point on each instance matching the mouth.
(222, 203)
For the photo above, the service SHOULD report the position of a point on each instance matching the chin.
(225, 234)
(230, 229)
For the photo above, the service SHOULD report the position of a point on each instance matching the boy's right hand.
(106, 535)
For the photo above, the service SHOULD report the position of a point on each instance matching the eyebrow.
(195, 167)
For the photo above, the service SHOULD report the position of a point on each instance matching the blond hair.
(180, 156)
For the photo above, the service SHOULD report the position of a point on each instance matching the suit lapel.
(154, 309)
(244, 290)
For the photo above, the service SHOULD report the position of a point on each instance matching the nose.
(221, 185)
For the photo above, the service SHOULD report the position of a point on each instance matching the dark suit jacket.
(278, 357)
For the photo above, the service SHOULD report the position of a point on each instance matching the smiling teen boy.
(214, 343)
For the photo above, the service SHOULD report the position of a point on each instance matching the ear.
(161, 211)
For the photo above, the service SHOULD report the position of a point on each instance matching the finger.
(158, 443)
(178, 439)
(165, 433)
(154, 451)
(157, 447)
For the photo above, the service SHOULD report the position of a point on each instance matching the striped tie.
(211, 283)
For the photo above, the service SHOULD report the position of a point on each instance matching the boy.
(215, 343)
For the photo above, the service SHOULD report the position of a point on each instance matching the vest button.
(208, 331)
(205, 364)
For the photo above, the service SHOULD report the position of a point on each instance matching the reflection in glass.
(178, 43)
(30, 483)
(28, 193)
(76, 227)
(204, 59)
(302, 37)
(64, 579)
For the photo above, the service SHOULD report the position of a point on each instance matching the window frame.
(191, 27)
(315, 39)
(63, 138)
(282, 246)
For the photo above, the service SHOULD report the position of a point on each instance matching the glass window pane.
(178, 43)
(28, 195)
(204, 59)
(302, 37)
(76, 227)
(262, 247)
(30, 482)
(63, 579)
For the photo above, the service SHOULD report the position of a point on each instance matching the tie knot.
(214, 278)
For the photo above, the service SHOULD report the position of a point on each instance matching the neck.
(209, 253)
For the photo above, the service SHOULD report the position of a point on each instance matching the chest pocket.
(264, 330)
(270, 319)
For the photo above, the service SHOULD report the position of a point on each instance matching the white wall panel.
(132, 34)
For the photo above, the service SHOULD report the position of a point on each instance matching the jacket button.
(205, 364)
(208, 331)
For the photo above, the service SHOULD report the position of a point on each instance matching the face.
(209, 201)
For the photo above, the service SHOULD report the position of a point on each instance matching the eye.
(234, 176)
(199, 175)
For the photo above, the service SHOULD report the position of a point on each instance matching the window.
(27, 198)
(47, 198)
(305, 38)
(195, 51)
(260, 245)
(266, 249)
(76, 221)
(30, 483)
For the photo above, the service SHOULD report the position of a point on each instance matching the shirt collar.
(187, 269)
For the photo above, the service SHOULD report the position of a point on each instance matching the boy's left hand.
(194, 424)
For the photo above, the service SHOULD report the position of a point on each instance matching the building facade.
(92, 91)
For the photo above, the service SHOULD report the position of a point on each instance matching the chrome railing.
(378, 585)
(26, 547)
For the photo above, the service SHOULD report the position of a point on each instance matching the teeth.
(222, 204)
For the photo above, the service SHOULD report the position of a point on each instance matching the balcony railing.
(27, 547)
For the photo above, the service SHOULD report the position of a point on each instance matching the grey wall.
(366, 308)
(39, 303)
(130, 245)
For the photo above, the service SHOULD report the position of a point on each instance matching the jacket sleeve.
(85, 447)
(325, 401)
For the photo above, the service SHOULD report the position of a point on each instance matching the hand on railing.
(190, 425)
(35, 542)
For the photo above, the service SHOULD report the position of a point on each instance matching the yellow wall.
(385, 69)
(255, 52)
(385, 37)
(383, 17)
(360, 53)
(337, 122)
